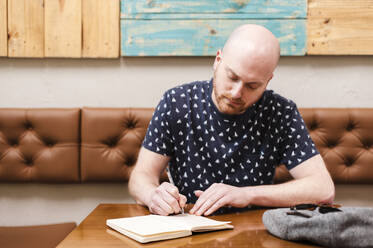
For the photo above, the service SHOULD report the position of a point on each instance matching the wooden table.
(248, 231)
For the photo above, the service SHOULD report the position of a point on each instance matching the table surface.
(248, 231)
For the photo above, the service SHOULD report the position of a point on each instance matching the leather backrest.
(42, 145)
(39, 145)
(111, 140)
(344, 138)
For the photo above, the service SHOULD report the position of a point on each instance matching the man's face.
(238, 87)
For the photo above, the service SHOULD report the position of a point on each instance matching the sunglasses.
(323, 209)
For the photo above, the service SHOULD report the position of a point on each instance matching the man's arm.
(312, 184)
(144, 185)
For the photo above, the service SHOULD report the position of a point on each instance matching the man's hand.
(165, 200)
(217, 196)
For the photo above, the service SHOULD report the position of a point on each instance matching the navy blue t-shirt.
(207, 146)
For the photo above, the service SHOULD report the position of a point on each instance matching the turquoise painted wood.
(213, 9)
(201, 27)
(201, 37)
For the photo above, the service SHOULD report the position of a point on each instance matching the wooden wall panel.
(63, 28)
(26, 28)
(101, 28)
(3, 29)
(213, 9)
(340, 27)
(200, 27)
(201, 37)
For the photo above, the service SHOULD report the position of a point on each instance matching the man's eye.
(233, 78)
(251, 86)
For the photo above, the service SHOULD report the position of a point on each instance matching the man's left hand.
(217, 196)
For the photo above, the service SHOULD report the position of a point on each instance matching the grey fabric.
(353, 227)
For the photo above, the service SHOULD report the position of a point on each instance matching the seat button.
(28, 126)
(29, 162)
(130, 161)
(331, 145)
(350, 127)
(349, 161)
(13, 142)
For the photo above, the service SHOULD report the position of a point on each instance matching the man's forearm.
(141, 192)
(306, 190)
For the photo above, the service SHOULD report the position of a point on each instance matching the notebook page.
(147, 225)
(193, 222)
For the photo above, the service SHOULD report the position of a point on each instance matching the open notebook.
(149, 228)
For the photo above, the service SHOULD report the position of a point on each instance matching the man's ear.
(269, 79)
(217, 59)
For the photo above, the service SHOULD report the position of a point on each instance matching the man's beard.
(223, 100)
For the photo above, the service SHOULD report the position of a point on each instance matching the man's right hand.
(165, 200)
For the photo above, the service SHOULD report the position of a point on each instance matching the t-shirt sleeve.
(158, 137)
(297, 145)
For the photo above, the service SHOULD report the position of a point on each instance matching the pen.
(172, 182)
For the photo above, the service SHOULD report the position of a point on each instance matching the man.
(223, 138)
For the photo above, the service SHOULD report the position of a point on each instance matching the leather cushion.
(344, 138)
(111, 140)
(39, 145)
(43, 236)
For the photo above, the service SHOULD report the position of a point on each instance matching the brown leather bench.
(42, 236)
(111, 139)
(101, 145)
(38, 145)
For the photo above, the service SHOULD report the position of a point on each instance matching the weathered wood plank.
(101, 28)
(208, 9)
(3, 29)
(201, 37)
(26, 28)
(340, 27)
(63, 28)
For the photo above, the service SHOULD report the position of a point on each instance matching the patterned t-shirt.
(207, 146)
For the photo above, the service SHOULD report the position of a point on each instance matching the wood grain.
(340, 27)
(201, 37)
(101, 28)
(200, 27)
(63, 28)
(218, 9)
(26, 28)
(249, 231)
(3, 29)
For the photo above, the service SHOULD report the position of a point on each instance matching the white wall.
(34, 204)
(321, 81)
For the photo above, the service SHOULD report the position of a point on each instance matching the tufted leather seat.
(39, 145)
(344, 138)
(42, 236)
(42, 145)
(111, 140)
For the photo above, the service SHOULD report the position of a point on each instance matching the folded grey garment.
(353, 227)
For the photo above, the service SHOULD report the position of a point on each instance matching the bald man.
(223, 138)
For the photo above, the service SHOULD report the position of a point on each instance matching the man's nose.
(236, 91)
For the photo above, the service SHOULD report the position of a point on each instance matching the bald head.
(244, 68)
(251, 46)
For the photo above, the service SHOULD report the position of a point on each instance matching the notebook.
(150, 228)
